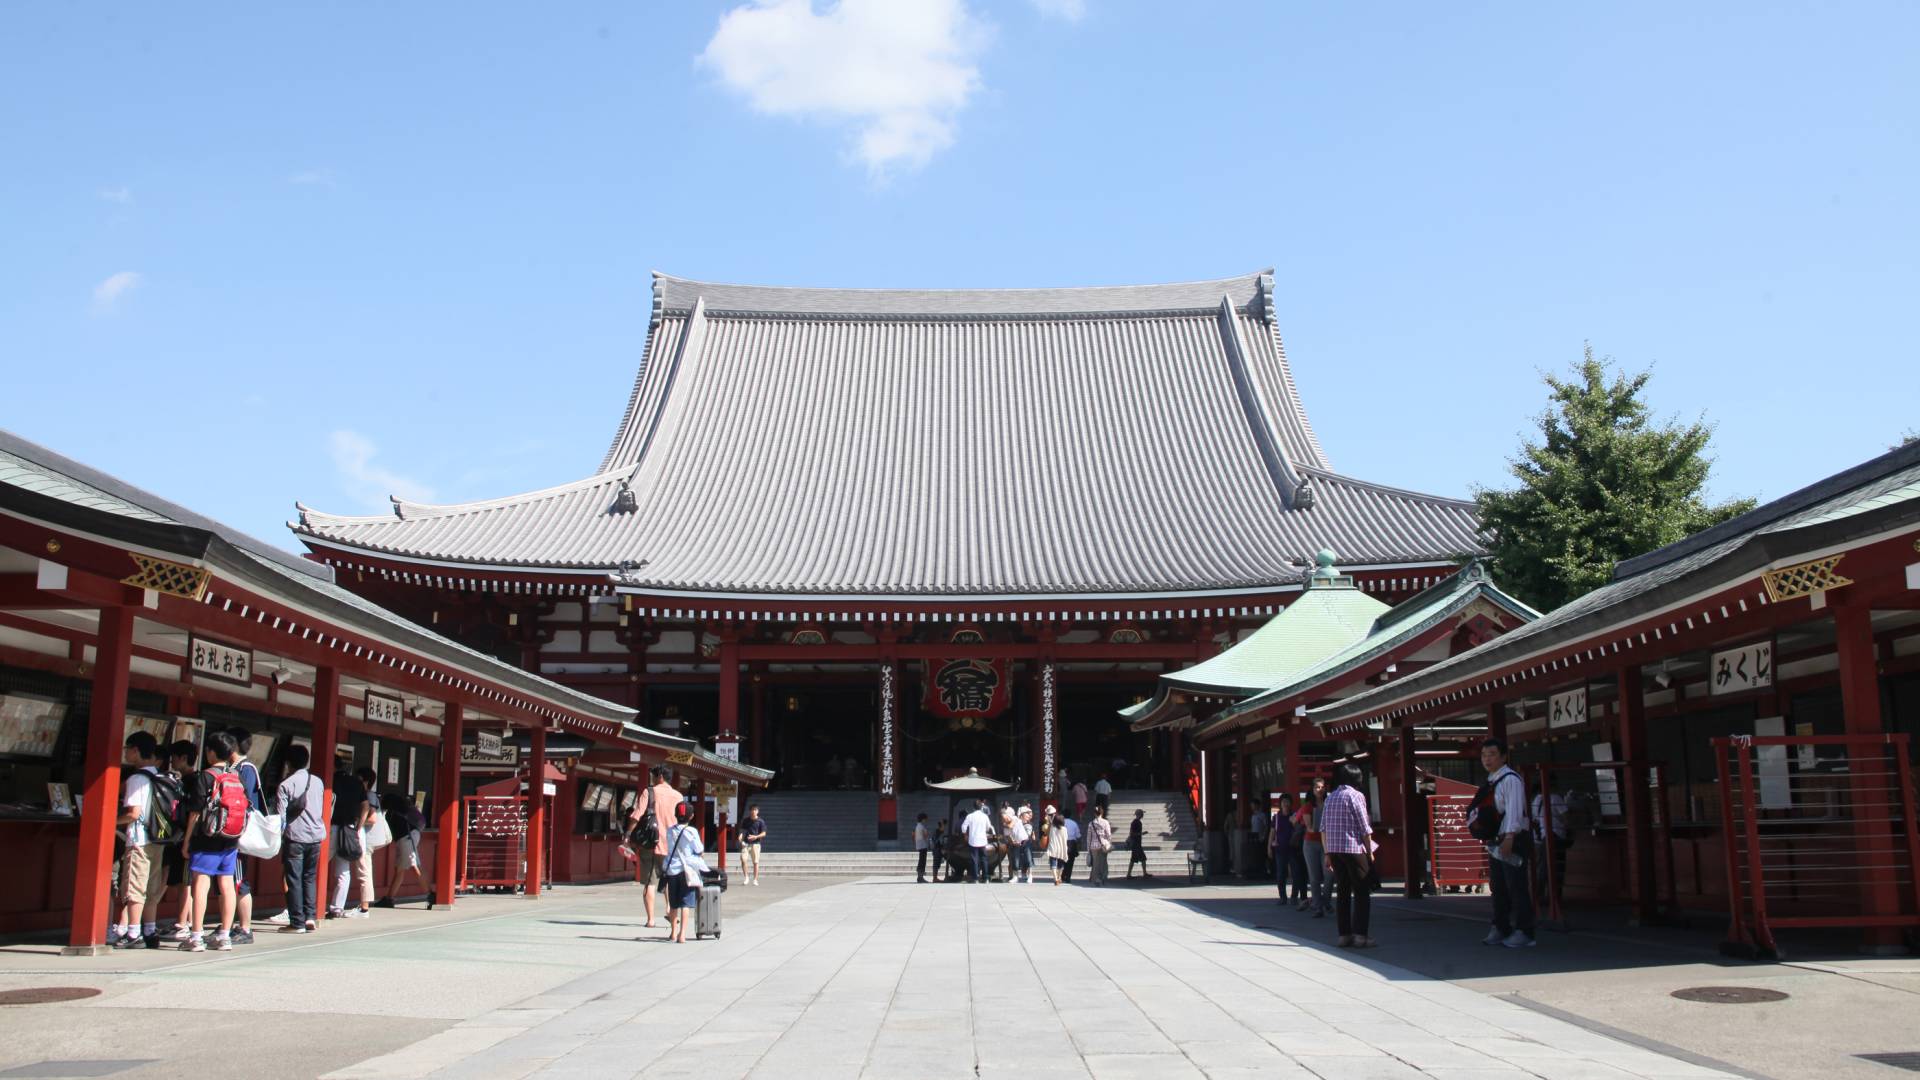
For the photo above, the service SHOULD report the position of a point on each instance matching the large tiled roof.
(1877, 495)
(1137, 440)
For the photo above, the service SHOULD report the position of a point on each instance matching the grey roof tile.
(900, 443)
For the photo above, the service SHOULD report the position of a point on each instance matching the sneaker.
(278, 920)
(193, 944)
(1494, 937)
(182, 932)
(312, 926)
(385, 901)
(334, 913)
(222, 943)
(243, 937)
(151, 941)
(128, 942)
(301, 929)
(1345, 941)
(1519, 939)
(356, 913)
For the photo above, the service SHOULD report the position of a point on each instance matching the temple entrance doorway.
(1095, 739)
(822, 737)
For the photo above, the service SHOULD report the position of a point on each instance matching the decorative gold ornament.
(166, 576)
(1804, 578)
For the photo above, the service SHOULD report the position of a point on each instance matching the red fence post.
(1736, 902)
(1756, 866)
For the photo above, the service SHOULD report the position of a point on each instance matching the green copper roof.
(1326, 620)
(1409, 620)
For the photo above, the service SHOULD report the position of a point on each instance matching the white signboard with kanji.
(1749, 667)
(1567, 708)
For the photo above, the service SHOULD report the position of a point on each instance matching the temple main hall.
(874, 538)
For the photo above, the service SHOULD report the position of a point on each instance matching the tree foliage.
(1603, 482)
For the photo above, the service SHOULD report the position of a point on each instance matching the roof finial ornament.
(1303, 493)
(628, 572)
(399, 508)
(624, 501)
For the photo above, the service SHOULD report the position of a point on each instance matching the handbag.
(261, 837)
(347, 842)
(379, 834)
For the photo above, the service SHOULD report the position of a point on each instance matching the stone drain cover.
(1728, 995)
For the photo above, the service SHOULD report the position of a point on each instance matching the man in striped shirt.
(1347, 834)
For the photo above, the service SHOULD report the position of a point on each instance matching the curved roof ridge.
(679, 294)
(408, 510)
(1387, 489)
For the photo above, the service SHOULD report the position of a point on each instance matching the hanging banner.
(956, 688)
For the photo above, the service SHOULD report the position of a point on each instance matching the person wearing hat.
(1020, 847)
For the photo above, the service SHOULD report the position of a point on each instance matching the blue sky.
(334, 251)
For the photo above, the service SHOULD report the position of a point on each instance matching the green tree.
(1603, 482)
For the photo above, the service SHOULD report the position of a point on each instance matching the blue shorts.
(680, 894)
(214, 863)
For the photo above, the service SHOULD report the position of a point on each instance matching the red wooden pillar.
(757, 723)
(326, 732)
(1411, 818)
(729, 720)
(1497, 722)
(886, 770)
(1873, 790)
(446, 857)
(100, 795)
(1177, 760)
(1639, 804)
(536, 845)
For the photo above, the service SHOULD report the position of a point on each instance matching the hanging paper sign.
(1567, 708)
(385, 709)
(1749, 667)
(967, 687)
(488, 743)
(886, 730)
(218, 661)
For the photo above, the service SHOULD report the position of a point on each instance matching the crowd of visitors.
(195, 822)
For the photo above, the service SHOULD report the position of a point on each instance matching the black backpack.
(1485, 826)
(165, 818)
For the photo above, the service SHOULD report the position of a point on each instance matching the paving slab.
(885, 978)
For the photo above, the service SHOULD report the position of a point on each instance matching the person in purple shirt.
(1347, 834)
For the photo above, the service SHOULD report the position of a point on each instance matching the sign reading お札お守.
(385, 709)
(215, 660)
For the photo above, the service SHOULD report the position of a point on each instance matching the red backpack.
(225, 814)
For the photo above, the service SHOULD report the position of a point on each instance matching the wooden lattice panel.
(172, 578)
(1804, 578)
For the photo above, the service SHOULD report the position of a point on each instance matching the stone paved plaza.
(884, 978)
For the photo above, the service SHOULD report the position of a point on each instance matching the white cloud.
(107, 294)
(898, 71)
(312, 178)
(122, 194)
(1070, 10)
(367, 482)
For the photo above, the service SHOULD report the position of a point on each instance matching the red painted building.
(883, 536)
(1738, 711)
(120, 611)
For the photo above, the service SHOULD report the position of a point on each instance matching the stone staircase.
(819, 833)
(819, 821)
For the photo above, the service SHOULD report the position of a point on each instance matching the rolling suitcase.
(706, 911)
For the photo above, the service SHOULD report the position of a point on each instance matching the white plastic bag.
(261, 838)
(378, 834)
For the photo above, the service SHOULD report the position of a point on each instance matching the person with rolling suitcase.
(683, 869)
